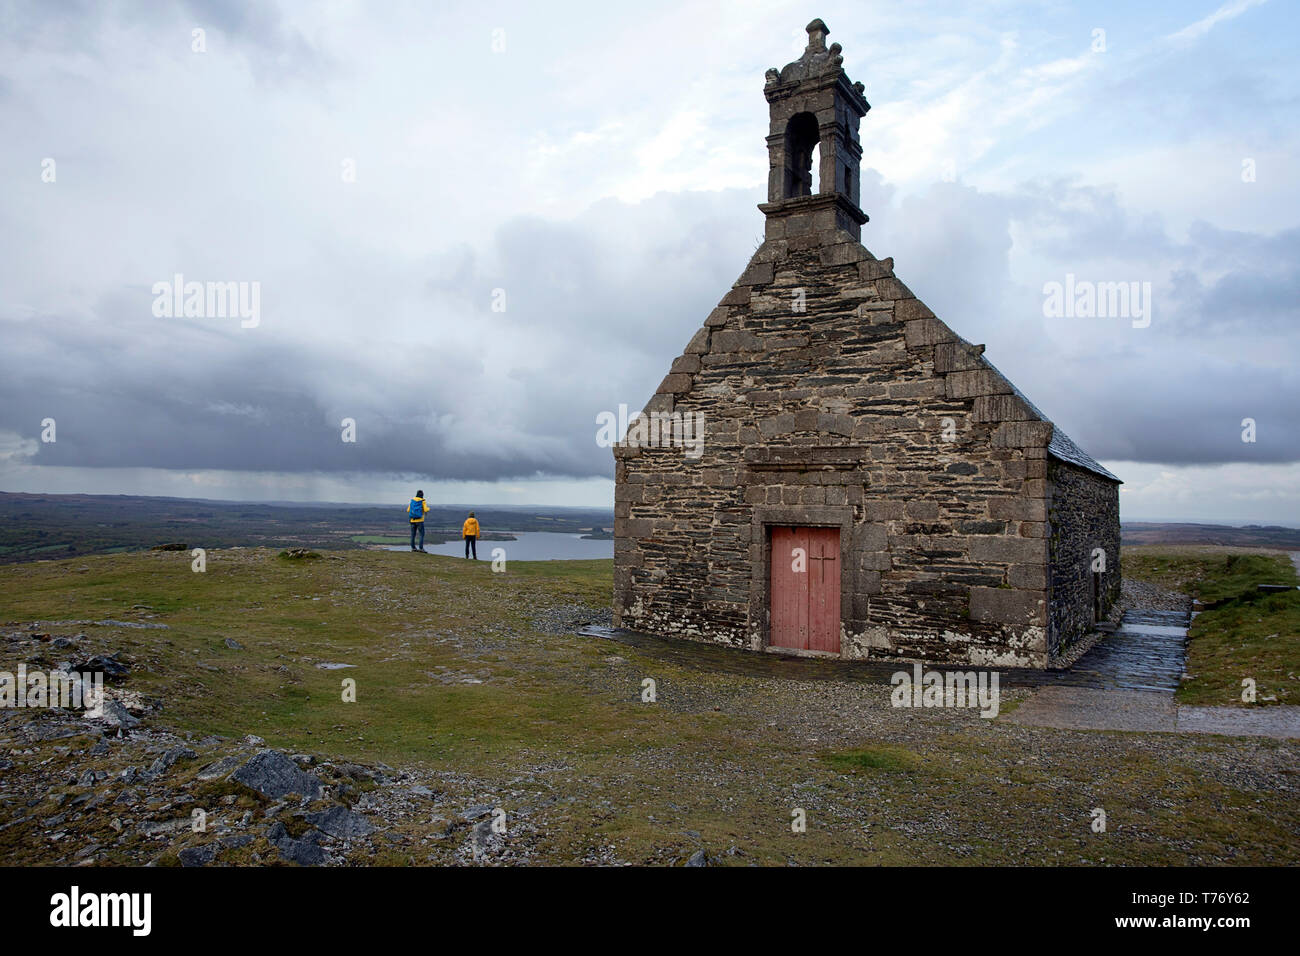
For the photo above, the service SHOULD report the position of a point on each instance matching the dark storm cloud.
(180, 395)
(395, 328)
(133, 390)
(609, 299)
(619, 277)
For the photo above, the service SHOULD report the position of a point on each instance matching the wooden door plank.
(784, 617)
(802, 590)
(824, 597)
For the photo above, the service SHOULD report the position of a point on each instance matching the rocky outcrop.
(121, 787)
(274, 775)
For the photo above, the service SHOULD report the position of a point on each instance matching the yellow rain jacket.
(420, 519)
(471, 528)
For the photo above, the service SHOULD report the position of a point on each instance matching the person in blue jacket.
(416, 511)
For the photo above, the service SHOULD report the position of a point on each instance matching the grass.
(884, 758)
(1241, 633)
(289, 615)
(556, 721)
(430, 537)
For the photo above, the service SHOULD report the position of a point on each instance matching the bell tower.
(814, 107)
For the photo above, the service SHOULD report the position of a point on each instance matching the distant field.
(34, 527)
(1251, 536)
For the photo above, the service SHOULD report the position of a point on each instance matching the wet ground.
(1124, 682)
(1146, 652)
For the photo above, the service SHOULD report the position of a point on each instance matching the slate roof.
(1063, 447)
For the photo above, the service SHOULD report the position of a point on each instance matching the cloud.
(1194, 31)
(16, 448)
(605, 181)
(1221, 346)
(1260, 494)
(597, 306)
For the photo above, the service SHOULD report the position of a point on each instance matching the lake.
(530, 546)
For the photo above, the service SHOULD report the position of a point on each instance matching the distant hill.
(34, 526)
(1250, 536)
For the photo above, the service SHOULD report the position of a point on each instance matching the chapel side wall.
(1083, 514)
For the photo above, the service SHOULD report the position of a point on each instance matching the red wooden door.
(805, 595)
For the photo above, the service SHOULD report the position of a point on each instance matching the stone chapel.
(868, 484)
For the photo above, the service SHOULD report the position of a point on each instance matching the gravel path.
(1085, 708)
(1136, 594)
(1281, 721)
(1081, 708)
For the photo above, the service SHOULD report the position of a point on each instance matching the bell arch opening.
(802, 141)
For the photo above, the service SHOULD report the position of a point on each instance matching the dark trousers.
(420, 525)
(471, 545)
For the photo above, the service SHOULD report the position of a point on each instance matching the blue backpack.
(417, 508)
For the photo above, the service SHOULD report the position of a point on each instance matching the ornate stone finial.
(772, 76)
(817, 31)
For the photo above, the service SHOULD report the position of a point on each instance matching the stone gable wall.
(1083, 514)
(836, 415)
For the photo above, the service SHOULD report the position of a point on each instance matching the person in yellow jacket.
(416, 511)
(469, 531)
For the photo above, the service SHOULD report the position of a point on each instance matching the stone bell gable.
(936, 513)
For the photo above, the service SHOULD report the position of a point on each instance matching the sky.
(469, 229)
